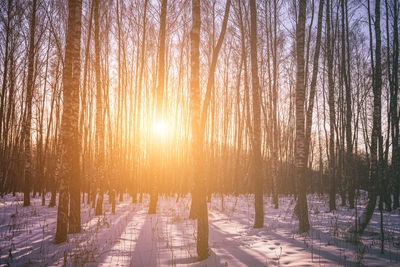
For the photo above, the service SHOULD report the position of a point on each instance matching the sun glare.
(160, 128)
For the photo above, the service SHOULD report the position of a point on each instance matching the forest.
(199, 132)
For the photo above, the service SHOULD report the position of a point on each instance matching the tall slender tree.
(313, 85)
(300, 156)
(331, 104)
(197, 144)
(69, 125)
(8, 31)
(28, 119)
(75, 175)
(99, 111)
(256, 134)
(394, 92)
(159, 103)
(350, 180)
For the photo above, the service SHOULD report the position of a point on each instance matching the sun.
(160, 128)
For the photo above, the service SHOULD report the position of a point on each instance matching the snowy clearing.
(131, 237)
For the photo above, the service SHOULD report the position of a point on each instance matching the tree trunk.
(69, 127)
(332, 117)
(199, 192)
(394, 107)
(75, 175)
(301, 207)
(99, 112)
(256, 137)
(350, 179)
(313, 80)
(29, 95)
(159, 106)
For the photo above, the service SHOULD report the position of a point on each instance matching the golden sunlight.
(160, 128)
(161, 132)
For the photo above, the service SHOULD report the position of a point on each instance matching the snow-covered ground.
(131, 237)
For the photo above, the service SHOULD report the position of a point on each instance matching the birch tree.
(69, 125)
